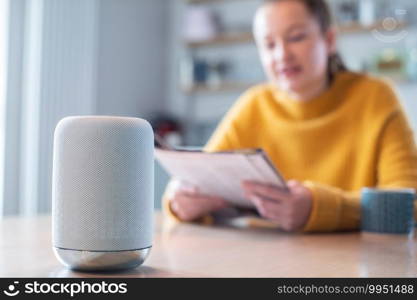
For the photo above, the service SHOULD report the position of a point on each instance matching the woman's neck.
(311, 92)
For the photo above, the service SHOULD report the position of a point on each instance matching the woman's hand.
(291, 209)
(188, 204)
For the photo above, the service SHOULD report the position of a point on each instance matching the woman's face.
(293, 50)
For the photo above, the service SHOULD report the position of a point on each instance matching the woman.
(330, 130)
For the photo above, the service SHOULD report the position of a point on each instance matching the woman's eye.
(297, 37)
(269, 45)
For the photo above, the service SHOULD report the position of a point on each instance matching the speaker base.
(101, 260)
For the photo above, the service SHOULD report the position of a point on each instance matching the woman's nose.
(282, 52)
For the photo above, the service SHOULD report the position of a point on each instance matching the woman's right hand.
(188, 204)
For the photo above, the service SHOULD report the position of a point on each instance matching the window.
(4, 12)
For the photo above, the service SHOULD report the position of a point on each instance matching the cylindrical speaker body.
(102, 192)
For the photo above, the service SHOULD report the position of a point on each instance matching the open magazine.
(220, 173)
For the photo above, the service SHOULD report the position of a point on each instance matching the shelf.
(247, 37)
(223, 87)
(224, 39)
(358, 28)
(206, 1)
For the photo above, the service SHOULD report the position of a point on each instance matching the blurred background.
(179, 64)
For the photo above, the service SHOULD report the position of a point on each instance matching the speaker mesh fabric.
(103, 184)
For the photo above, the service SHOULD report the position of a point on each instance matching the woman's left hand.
(291, 209)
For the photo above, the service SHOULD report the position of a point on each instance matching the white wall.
(132, 62)
(4, 14)
(132, 57)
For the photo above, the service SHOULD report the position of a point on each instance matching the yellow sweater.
(353, 135)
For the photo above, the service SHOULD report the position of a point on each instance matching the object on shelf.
(200, 24)
(398, 11)
(367, 15)
(193, 71)
(391, 64)
(168, 129)
(367, 12)
(202, 72)
(216, 72)
(347, 12)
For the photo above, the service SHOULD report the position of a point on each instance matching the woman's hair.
(321, 12)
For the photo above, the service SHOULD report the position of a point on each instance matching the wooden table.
(190, 250)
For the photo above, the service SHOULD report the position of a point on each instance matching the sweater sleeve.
(168, 212)
(334, 209)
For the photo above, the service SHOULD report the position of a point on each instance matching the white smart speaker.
(102, 192)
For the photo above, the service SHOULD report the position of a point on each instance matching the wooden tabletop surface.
(190, 250)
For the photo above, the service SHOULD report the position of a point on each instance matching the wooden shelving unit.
(247, 37)
(206, 1)
(358, 28)
(244, 39)
(222, 87)
(224, 39)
